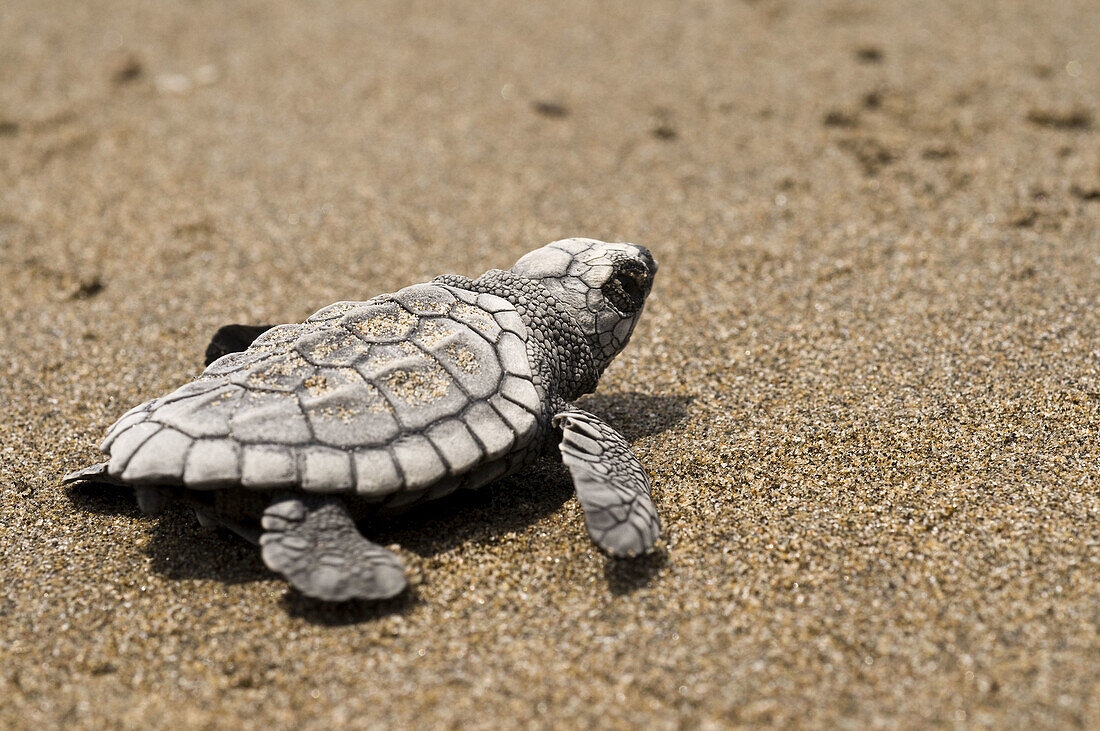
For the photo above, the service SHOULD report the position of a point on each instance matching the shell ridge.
(438, 452)
(389, 402)
(517, 436)
(186, 456)
(125, 463)
(438, 361)
(404, 480)
(165, 428)
(473, 303)
(299, 466)
(305, 415)
(476, 438)
(480, 334)
(243, 395)
(525, 407)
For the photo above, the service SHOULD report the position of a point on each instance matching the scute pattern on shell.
(397, 393)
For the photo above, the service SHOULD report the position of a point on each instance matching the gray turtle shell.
(398, 393)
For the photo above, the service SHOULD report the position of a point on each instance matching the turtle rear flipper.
(313, 542)
(232, 339)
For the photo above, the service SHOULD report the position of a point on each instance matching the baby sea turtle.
(294, 432)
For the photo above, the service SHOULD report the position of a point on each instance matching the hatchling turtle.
(295, 432)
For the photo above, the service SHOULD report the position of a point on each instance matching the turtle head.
(604, 287)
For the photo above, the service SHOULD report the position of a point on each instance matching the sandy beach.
(866, 386)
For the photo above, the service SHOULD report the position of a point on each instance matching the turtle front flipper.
(611, 484)
(313, 542)
(232, 339)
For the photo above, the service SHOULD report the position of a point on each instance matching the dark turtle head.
(604, 287)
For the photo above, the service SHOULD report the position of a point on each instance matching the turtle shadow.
(624, 576)
(517, 502)
(508, 505)
(636, 415)
(180, 549)
(177, 547)
(101, 498)
(355, 611)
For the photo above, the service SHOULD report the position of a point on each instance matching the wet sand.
(867, 386)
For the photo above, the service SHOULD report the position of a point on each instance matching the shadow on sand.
(351, 612)
(625, 576)
(101, 498)
(179, 549)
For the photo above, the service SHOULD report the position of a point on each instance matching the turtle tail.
(95, 473)
(150, 499)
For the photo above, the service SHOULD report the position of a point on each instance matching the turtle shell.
(368, 398)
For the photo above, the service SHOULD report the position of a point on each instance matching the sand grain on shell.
(865, 385)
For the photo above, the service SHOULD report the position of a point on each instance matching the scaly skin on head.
(602, 285)
(580, 298)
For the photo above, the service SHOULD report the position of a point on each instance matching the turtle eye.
(625, 290)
